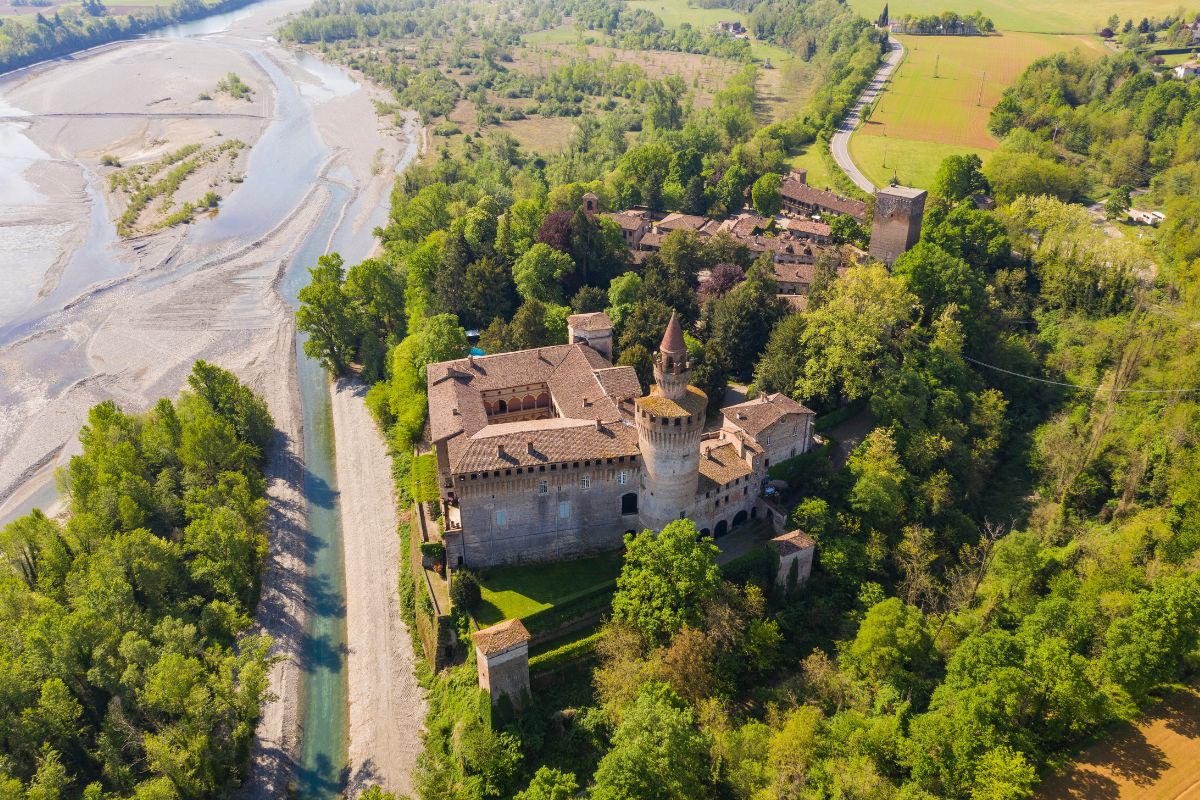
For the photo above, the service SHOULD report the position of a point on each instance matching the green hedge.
(550, 618)
(793, 468)
(757, 566)
(565, 654)
(424, 478)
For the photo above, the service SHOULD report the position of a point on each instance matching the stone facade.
(899, 211)
(796, 550)
(502, 661)
(576, 455)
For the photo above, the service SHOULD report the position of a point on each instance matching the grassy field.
(673, 14)
(519, 591)
(1155, 759)
(912, 162)
(818, 168)
(940, 98)
(1037, 16)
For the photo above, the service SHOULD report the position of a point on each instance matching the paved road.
(839, 145)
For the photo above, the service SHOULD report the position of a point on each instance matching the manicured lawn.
(1041, 16)
(520, 591)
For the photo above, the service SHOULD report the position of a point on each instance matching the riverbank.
(96, 318)
(387, 707)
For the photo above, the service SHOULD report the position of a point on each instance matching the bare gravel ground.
(387, 708)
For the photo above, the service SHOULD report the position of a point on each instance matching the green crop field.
(939, 100)
(1037, 16)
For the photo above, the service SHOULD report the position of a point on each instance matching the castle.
(554, 453)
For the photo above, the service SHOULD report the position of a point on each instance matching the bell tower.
(672, 372)
(669, 422)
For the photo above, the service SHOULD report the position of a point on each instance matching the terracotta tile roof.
(792, 542)
(747, 224)
(500, 637)
(676, 222)
(549, 441)
(755, 416)
(692, 404)
(795, 273)
(652, 240)
(629, 219)
(808, 227)
(810, 195)
(620, 383)
(672, 341)
(583, 386)
(595, 321)
(720, 463)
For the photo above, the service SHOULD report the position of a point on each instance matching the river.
(291, 174)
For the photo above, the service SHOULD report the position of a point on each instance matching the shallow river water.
(283, 166)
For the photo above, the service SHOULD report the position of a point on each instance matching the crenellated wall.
(509, 517)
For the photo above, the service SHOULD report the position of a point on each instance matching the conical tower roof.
(672, 341)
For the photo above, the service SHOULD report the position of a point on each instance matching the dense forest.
(1006, 564)
(128, 671)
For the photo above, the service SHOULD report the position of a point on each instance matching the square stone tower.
(899, 211)
(595, 330)
(502, 661)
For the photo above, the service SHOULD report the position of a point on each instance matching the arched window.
(722, 528)
(629, 503)
(739, 518)
(502, 407)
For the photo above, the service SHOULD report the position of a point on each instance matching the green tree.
(657, 752)
(1148, 646)
(960, 177)
(327, 316)
(845, 229)
(1003, 774)
(765, 194)
(489, 292)
(550, 784)
(639, 358)
(439, 338)
(666, 580)
(938, 279)
(857, 334)
(893, 646)
(539, 273)
(878, 491)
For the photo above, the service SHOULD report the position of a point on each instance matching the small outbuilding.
(796, 550)
(502, 661)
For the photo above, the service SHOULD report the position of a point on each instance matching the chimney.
(471, 360)
(500, 450)
(599, 424)
(529, 447)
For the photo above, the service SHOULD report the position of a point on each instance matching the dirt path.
(387, 707)
(1156, 759)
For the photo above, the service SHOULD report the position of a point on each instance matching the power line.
(1076, 385)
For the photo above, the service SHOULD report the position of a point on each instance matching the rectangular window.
(623, 477)
(564, 510)
(501, 518)
(585, 482)
(768, 440)
(543, 487)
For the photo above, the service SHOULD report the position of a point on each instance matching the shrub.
(464, 591)
(565, 654)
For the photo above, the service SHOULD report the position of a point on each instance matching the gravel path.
(387, 707)
(839, 145)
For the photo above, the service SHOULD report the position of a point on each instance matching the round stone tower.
(669, 422)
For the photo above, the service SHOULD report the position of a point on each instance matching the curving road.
(839, 145)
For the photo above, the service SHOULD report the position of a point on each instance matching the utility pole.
(979, 99)
(936, 60)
